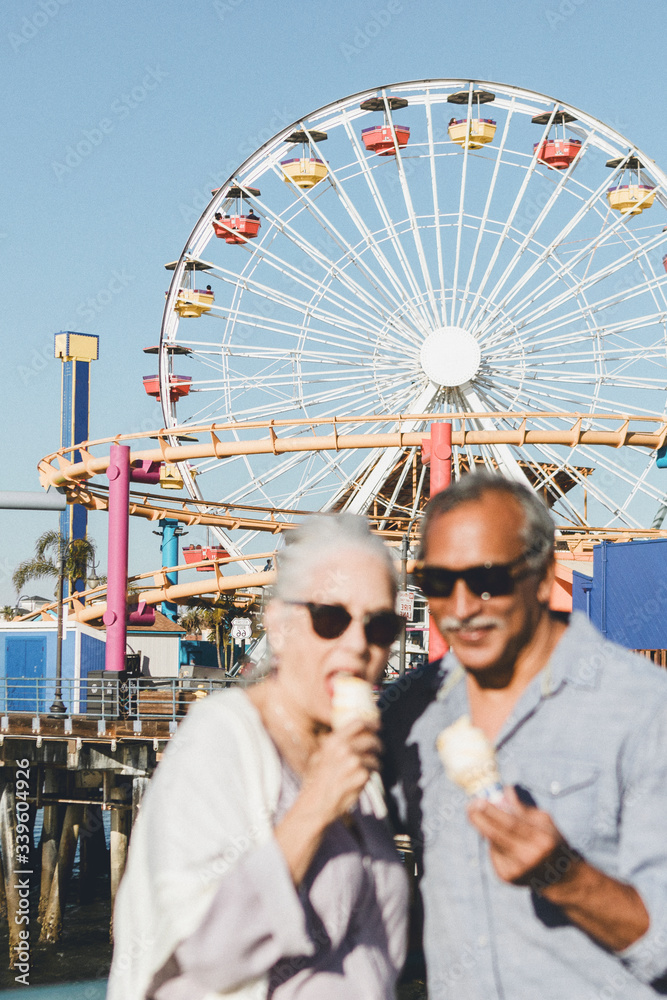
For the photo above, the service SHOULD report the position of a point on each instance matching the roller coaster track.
(222, 440)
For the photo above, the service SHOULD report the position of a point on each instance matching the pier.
(75, 767)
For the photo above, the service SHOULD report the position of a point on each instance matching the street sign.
(241, 629)
(405, 602)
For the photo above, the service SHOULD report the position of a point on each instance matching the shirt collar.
(577, 659)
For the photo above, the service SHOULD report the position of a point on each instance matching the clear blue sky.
(171, 96)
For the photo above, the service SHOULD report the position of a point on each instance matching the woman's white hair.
(319, 537)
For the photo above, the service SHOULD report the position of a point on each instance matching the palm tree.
(194, 620)
(79, 560)
(7, 613)
(214, 617)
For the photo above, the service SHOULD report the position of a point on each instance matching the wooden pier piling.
(49, 841)
(120, 832)
(52, 923)
(8, 843)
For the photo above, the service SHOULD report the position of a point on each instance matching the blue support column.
(76, 351)
(170, 534)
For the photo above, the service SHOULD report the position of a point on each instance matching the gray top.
(587, 742)
(354, 899)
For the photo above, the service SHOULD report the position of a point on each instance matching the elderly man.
(559, 892)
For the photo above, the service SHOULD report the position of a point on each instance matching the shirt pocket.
(567, 790)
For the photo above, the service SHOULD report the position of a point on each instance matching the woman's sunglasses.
(486, 581)
(331, 620)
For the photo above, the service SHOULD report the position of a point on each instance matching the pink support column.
(115, 616)
(441, 457)
(441, 477)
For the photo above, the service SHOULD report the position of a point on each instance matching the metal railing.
(110, 698)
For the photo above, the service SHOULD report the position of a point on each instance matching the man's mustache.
(450, 623)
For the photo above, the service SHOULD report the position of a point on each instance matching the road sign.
(405, 602)
(241, 629)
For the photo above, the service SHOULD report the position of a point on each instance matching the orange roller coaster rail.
(59, 470)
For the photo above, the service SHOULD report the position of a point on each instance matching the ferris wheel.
(427, 248)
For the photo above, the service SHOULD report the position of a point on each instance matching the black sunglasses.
(486, 581)
(331, 620)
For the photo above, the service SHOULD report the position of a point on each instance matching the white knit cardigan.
(213, 797)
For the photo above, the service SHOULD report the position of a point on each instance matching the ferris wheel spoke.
(311, 252)
(368, 238)
(351, 344)
(436, 209)
(567, 269)
(548, 253)
(533, 230)
(373, 471)
(546, 396)
(500, 242)
(390, 504)
(462, 194)
(274, 296)
(610, 301)
(284, 267)
(475, 402)
(485, 214)
(596, 490)
(419, 246)
(419, 317)
(331, 232)
(530, 331)
(574, 377)
(548, 354)
(620, 470)
(541, 339)
(546, 467)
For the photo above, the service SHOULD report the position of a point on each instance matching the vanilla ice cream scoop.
(470, 760)
(352, 699)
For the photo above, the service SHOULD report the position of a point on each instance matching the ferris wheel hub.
(450, 356)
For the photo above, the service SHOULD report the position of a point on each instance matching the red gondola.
(236, 228)
(558, 153)
(379, 139)
(196, 553)
(179, 385)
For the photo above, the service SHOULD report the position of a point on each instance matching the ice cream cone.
(353, 698)
(470, 760)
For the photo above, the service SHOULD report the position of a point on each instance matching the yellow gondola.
(304, 171)
(482, 130)
(192, 302)
(631, 199)
(170, 476)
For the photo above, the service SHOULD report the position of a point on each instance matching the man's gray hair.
(318, 538)
(538, 527)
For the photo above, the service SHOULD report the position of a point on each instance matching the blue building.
(28, 663)
(626, 598)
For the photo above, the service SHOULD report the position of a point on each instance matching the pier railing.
(100, 697)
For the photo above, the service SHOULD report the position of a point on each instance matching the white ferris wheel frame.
(416, 288)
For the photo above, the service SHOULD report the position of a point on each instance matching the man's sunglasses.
(331, 620)
(486, 581)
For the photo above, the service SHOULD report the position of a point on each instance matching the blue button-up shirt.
(587, 742)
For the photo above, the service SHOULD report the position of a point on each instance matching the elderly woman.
(261, 865)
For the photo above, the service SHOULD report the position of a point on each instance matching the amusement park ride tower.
(76, 351)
